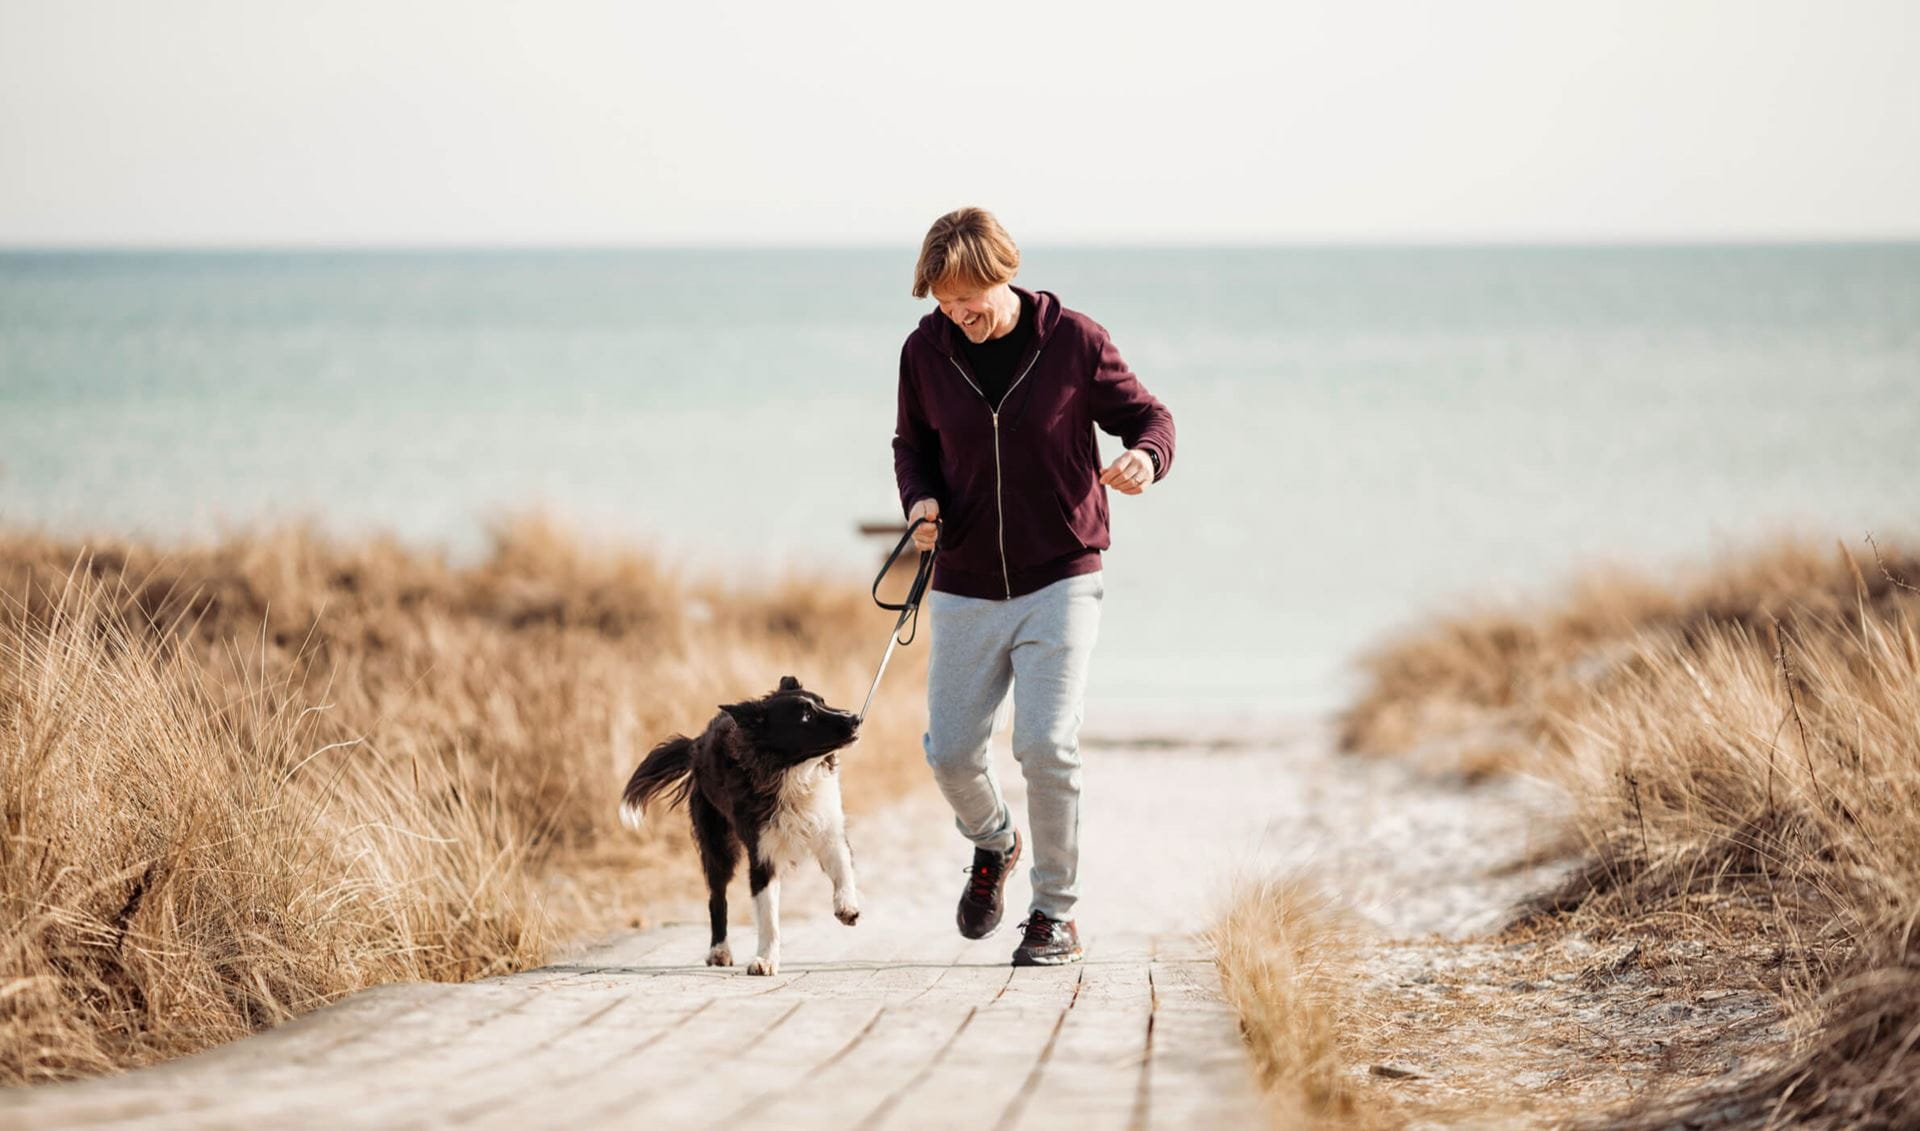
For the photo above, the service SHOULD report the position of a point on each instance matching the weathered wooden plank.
(964, 985)
(822, 1032)
(1042, 986)
(1119, 946)
(896, 982)
(1096, 1070)
(628, 1077)
(1108, 980)
(404, 1081)
(1186, 982)
(1098, 1064)
(467, 1082)
(1181, 948)
(904, 1042)
(807, 949)
(302, 1038)
(984, 1070)
(540, 1090)
(1198, 1073)
(355, 1033)
(913, 973)
(850, 985)
(680, 944)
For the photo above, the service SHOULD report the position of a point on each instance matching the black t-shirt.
(992, 362)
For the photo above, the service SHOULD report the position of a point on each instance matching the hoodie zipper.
(999, 499)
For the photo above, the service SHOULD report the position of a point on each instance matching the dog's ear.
(788, 683)
(751, 715)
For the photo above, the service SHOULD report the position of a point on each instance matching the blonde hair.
(967, 246)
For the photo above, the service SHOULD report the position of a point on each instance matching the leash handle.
(909, 609)
(920, 580)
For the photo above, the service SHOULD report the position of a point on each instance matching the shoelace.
(982, 886)
(1039, 930)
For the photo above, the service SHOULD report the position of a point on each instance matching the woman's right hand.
(928, 509)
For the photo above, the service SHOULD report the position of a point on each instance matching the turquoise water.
(1365, 434)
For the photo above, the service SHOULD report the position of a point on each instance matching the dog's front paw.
(846, 904)
(763, 965)
(720, 955)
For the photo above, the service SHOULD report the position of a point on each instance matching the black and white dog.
(763, 775)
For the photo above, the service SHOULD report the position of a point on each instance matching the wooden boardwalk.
(896, 1022)
(932, 1034)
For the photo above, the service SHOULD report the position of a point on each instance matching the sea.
(1368, 436)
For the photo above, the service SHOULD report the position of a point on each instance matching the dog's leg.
(766, 909)
(836, 860)
(719, 854)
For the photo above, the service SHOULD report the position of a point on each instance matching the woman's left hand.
(1131, 473)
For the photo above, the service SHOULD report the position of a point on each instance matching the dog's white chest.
(805, 818)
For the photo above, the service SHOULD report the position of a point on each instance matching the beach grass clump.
(1283, 952)
(241, 779)
(184, 862)
(1743, 753)
(1484, 689)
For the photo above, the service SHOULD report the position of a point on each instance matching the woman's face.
(980, 312)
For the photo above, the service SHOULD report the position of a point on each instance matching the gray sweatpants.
(1039, 644)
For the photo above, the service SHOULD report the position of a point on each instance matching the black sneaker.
(980, 902)
(1048, 942)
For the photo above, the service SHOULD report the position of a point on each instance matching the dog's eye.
(806, 716)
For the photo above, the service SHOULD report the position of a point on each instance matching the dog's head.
(793, 724)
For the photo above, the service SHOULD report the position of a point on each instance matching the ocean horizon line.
(397, 248)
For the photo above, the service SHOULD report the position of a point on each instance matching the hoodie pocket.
(1085, 519)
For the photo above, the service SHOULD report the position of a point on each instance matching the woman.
(1000, 391)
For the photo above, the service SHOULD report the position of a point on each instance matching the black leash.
(909, 609)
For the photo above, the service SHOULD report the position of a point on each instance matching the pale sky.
(475, 122)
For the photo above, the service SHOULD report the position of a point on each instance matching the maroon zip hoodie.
(1021, 503)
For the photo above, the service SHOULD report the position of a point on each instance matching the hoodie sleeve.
(916, 447)
(1122, 406)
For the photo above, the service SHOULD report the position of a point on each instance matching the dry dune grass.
(1744, 754)
(1282, 953)
(241, 779)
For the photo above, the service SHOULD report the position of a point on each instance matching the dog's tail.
(664, 770)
